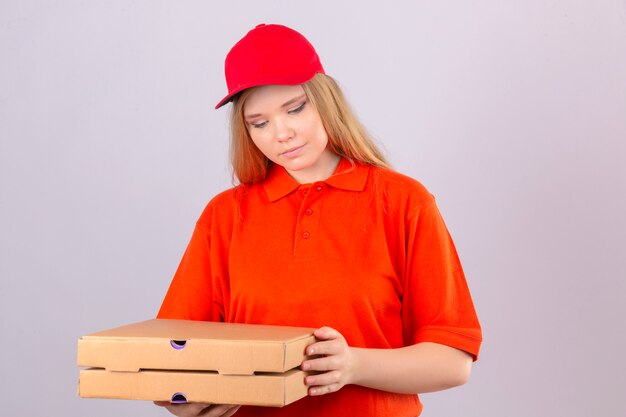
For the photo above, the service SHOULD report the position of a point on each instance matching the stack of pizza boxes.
(194, 361)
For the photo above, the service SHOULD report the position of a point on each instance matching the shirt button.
(309, 212)
(319, 188)
(306, 235)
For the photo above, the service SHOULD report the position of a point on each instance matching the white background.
(513, 113)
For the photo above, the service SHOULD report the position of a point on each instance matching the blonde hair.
(346, 135)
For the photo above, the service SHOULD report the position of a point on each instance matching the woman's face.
(287, 128)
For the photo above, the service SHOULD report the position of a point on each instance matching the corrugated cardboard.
(195, 361)
(189, 386)
(228, 348)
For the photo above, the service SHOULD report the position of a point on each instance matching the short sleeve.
(192, 294)
(436, 305)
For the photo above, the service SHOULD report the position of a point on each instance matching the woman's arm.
(424, 367)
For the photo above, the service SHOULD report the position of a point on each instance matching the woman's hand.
(337, 361)
(199, 409)
(419, 368)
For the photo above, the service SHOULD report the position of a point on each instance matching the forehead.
(270, 97)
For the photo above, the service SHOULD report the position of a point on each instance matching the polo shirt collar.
(348, 175)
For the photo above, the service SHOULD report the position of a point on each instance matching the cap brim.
(291, 79)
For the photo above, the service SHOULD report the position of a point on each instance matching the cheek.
(322, 136)
(317, 131)
(261, 142)
(258, 139)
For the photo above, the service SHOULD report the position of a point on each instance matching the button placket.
(308, 219)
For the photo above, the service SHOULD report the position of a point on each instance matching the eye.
(297, 109)
(258, 125)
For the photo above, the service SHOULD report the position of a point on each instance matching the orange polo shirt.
(365, 252)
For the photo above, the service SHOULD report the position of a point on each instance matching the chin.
(296, 165)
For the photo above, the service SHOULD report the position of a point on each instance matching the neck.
(323, 169)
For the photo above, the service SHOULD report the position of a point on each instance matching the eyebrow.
(286, 104)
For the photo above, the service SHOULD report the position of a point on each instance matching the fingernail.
(305, 366)
(313, 391)
(311, 351)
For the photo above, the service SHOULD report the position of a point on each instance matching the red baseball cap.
(269, 54)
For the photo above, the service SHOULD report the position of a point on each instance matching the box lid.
(228, 348)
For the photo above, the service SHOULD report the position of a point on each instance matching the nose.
(283, 131)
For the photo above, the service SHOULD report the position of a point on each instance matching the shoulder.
(224, 207)
(400, 188)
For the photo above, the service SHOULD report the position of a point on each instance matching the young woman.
(320, 232)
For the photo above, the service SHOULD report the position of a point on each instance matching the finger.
(332, 347)
(231, 411)
(216, 410)
(327, 363)
(325, 389)
(325, 333)
(327, 378)
(187, 409)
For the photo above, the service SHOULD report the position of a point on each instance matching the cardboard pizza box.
(228, 348)
(272, 389)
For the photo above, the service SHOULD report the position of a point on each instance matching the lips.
(292, 152)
